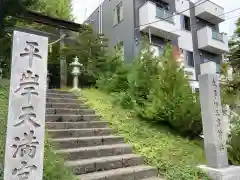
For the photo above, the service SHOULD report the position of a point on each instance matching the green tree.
(56, 8)
(12, 7)
(90, 48)
(156, 89)
(234, 44)
(171, 99)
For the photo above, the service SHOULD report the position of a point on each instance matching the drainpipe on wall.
(100, 17)
(150, 35)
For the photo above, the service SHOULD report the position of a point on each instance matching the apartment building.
(192, 28)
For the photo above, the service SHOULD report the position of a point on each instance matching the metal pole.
(150, 35)
(99, 17)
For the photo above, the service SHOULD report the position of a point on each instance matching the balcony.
(209, 11)
(211, 41)
(166, 25)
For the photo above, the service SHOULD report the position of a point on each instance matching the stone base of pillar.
(78, 90)
(228, 173)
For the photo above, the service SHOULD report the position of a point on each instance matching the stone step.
(154, 178)
(67, 105)
(66, 100)
(63, 133)
(59, 95)
(129, 173)
(65, 143)
(95, 151)
(71, 118)
(104, 163)
(70, 111)
(55, 91)
(76, 125)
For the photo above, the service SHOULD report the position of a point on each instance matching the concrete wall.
(206, 41)
(185, 40)
(155, 39)
(128, 30)
(182, 5)
(124, 31)
(199, 55)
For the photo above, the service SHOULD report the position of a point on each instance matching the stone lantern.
(75, 72)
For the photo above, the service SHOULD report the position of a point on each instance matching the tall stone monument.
(213, 126)
(26, 112)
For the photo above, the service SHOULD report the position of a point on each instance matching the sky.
(83, 8)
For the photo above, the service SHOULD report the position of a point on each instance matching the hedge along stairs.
(90, 149)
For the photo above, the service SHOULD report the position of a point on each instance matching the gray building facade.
(192, 28)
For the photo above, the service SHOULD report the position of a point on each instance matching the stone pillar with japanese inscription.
(24, 151)
(213, 126)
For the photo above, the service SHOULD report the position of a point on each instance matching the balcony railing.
(164, 14)
(217, 36)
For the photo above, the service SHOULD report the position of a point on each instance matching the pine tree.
(171, 99)
(91, 48)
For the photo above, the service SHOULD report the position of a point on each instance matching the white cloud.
(83, 8)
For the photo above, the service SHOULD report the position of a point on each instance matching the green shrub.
(4, 87)
(1, 174)
(54, 168)
(116, 82)
(233, 142)
(141, 77)
(157, 90)
(4, 84)
(91, 51)
(185, 173)
(159, 146)
(171, 99)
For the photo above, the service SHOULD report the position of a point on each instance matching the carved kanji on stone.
(31, 51)
(214, 83)
(26, 145)
(28, 115)
(28, 85)
(24, 171)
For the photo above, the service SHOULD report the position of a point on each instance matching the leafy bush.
(233, 142)
(141, 77)
(54, 168)
(157, 90)
(4, 87)
(185, 173)
(171, 99)
(116, 82)
(160, 146)
(4, 84)
(91, 51)
(1, 174)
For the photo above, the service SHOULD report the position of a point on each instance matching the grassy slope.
(159, 147)
(3, 115)
(53, 165)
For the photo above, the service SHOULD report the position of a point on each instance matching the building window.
(190, 59)
(119, 47)
(185, 21)
(157, 50)
(118, 13)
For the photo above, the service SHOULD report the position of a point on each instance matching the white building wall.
(185, 40)
(182, 5)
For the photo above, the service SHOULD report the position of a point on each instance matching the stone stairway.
(90, 149)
